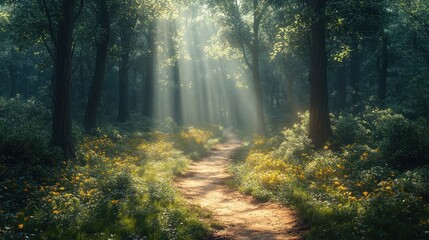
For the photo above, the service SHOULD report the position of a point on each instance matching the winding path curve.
(239, 216)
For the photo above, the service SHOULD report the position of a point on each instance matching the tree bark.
(342, 88)
(82, 89)
(12, 73)
(257, 86)
(320, 127)
(290, 98)
(134, 92)
(175, 73)
(126, 32)
(101, 43)
(61, 126)
(150, 73)
(177, 95)
(355, 64)
(382, 80)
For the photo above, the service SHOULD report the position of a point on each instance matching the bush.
(359, 188)
(402, 143)
(118, 188)
(24, 137)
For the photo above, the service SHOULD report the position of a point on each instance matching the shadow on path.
(240, 217)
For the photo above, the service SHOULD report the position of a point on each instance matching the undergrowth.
(118, 187)
(370, 182)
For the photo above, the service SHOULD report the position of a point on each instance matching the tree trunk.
(177, 95)
(134, 93)
(150, 72)
(12, 77)
(12, 73)
(320, 127)
(342, 87)
(260, 120)
(123, 114)
(355, 63)
(61, 127)
(290, 98)
(102, 43)
(382, 80)
(82, 88)
(177, 91)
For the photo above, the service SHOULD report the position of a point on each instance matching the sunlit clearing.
(197, 80)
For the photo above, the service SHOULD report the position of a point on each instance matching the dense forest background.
(331, 97)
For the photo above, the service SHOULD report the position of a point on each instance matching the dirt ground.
(239, 216)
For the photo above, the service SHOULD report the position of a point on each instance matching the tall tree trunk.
(134, 93)
(177, 91)
(123, 114)
(320, 127)
(382, 80)
(355, 64)
(177, 95)
(82, 88)
(260, 120)
(342, 87)
(12, 73)
(150, 73)
(101, 43)
(290, 98)
(61, 126)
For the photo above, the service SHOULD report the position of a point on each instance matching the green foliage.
(417, 105)
(356, 187)
(23, 135)
(119, 187)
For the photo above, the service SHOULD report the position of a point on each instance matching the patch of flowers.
(361, 187)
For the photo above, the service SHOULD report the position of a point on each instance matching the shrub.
(403, 143)
(24, 137)
(359, 188)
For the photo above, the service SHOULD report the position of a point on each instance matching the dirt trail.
(240, 217)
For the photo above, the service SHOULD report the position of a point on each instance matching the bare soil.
(238, 216)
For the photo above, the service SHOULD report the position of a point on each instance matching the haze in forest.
(112, 111)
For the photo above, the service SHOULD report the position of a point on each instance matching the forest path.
(239, 216)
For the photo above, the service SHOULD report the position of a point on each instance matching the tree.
(320, 127)
(383, 70)
(150, 71)
(246, 37)
(63, 41)
(417, 13)
(101, 43)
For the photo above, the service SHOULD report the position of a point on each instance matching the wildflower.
(56, 212)
(365, 194)
(20, 226)
(114, 201)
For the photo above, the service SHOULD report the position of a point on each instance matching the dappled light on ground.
(239, 217)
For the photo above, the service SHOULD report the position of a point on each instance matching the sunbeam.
(205, 88)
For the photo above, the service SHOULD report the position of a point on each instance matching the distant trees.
(101, 43)
(245, 35)
(300, 54)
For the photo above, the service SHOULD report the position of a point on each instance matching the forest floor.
(237, 216)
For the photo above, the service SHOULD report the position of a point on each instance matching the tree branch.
(79, 11)
(48, 48)
(245, 56)
(50, 25)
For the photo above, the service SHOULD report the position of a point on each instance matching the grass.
(351, 191)
(118, 187)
